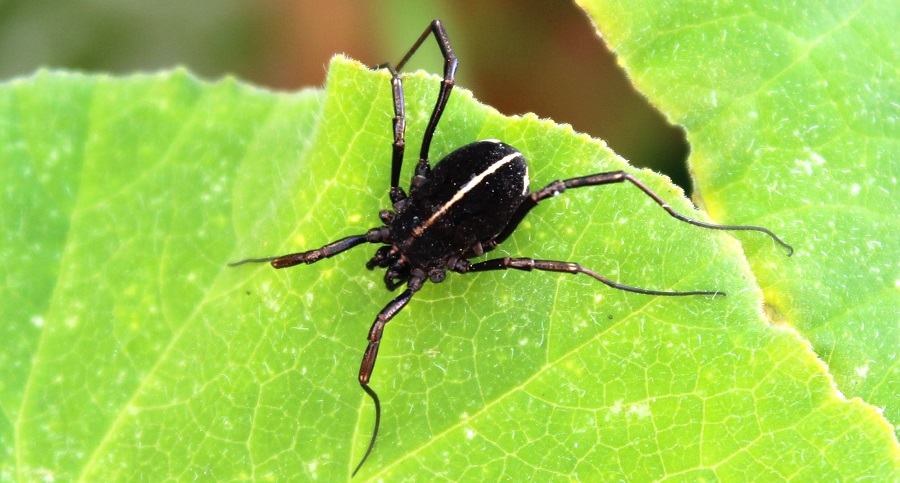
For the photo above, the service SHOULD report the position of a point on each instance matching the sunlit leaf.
(791, 111)
(132, 349)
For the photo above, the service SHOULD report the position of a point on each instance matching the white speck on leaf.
(641, 410)
(616, 408)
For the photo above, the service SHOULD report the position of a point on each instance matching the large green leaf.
(792, 106)
(131, 351)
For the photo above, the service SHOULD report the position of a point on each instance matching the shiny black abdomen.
(466, 200)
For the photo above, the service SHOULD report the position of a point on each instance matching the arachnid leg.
(558, 187)
(368, 362)
(375, 235)
(450, 63)
(528, 264)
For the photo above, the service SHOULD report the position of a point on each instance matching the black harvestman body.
(468, 204)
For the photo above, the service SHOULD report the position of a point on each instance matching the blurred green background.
(525, 56)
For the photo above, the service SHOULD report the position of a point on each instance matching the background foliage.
(530, 58)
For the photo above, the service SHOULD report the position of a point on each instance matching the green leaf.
(791, 114)
(133, 351)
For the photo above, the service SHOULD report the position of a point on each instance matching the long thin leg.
(450, 63)
(399, 125)
(375, 235)
(529, 264)
(558, 187)
(368, 361)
